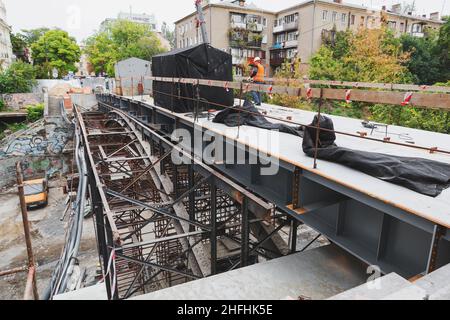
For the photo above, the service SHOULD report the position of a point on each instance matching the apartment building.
(6, 54)
(246, 31)
(143, 18)
(237, 27)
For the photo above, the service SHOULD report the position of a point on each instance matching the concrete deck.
(97, 292)
(317, 274)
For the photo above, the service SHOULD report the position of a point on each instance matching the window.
(291, 53)
(392, 25)
(292, 36)
(281, 38)
(343, 18)
(334, 17)
(291, 18)
(402, 27)
(417, 28)
(324, 15)
(352, 20)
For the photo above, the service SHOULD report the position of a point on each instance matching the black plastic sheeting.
(421, 175)
(198, 62)
(248, 115)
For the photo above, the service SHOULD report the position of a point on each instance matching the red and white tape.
(407, 99)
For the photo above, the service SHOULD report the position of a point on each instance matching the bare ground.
(48, 237)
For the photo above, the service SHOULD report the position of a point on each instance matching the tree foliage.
(55, 50)
(122, 39)
(20, 47)
(442, 49)
(33, 35)
(18, 78)
(367, 56)
(378, 56)
(425, 64)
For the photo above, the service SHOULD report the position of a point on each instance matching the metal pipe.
(26, 226)
(13, 271)
(30, 289)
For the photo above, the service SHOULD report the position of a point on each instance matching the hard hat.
(257, 59)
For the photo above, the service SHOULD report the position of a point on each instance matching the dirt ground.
(48, 237)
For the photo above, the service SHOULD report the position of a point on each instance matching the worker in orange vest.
(257, 76)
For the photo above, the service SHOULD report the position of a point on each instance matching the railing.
(286, 27)
(425, 96)
(285, 45)
(246, 43)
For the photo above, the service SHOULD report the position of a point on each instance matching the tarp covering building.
(198, 62)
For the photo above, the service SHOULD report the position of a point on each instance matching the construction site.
(176, 185)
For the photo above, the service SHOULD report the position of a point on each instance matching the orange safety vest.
(261, 73)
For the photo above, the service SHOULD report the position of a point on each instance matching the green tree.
(18, 78)
(442, 49)
(424, 65)
(122, 39)
(55, 50)
(168, 34)
(367, 56)
(33, 35)
(20, 47)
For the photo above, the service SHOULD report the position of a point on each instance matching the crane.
(201, 20)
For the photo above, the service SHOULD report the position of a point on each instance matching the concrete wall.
(33, 166)
(49, 84)
(87, 101)
(19, 101)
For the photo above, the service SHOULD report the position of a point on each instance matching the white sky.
(81, 17)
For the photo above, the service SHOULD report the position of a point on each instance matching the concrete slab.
(442, 294)
(317, 274)
(376, 290)
(410, 293)
(435, 281)
(97, 292)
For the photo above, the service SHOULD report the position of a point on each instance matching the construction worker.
(257, 76)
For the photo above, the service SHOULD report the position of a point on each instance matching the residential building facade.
(6, 54)
(142, 18)
(296, 32)
(242, 29)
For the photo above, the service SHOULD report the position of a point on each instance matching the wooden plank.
(419, 99)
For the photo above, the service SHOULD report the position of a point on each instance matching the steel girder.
(376, 232)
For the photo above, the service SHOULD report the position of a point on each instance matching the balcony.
(255, 27)
(239, 60)
(286, 27)
(285, 45)
(238, 25)
(251, 26)
(257, 44)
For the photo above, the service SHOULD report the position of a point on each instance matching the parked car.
(36, 193)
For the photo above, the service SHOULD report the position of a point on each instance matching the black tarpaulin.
(248, 115)
(199, 62)
(421, 175)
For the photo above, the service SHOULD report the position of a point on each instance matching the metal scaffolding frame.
(160, 224)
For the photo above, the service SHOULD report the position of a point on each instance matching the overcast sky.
(82, 17)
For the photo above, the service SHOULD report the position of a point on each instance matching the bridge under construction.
(165, 217)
